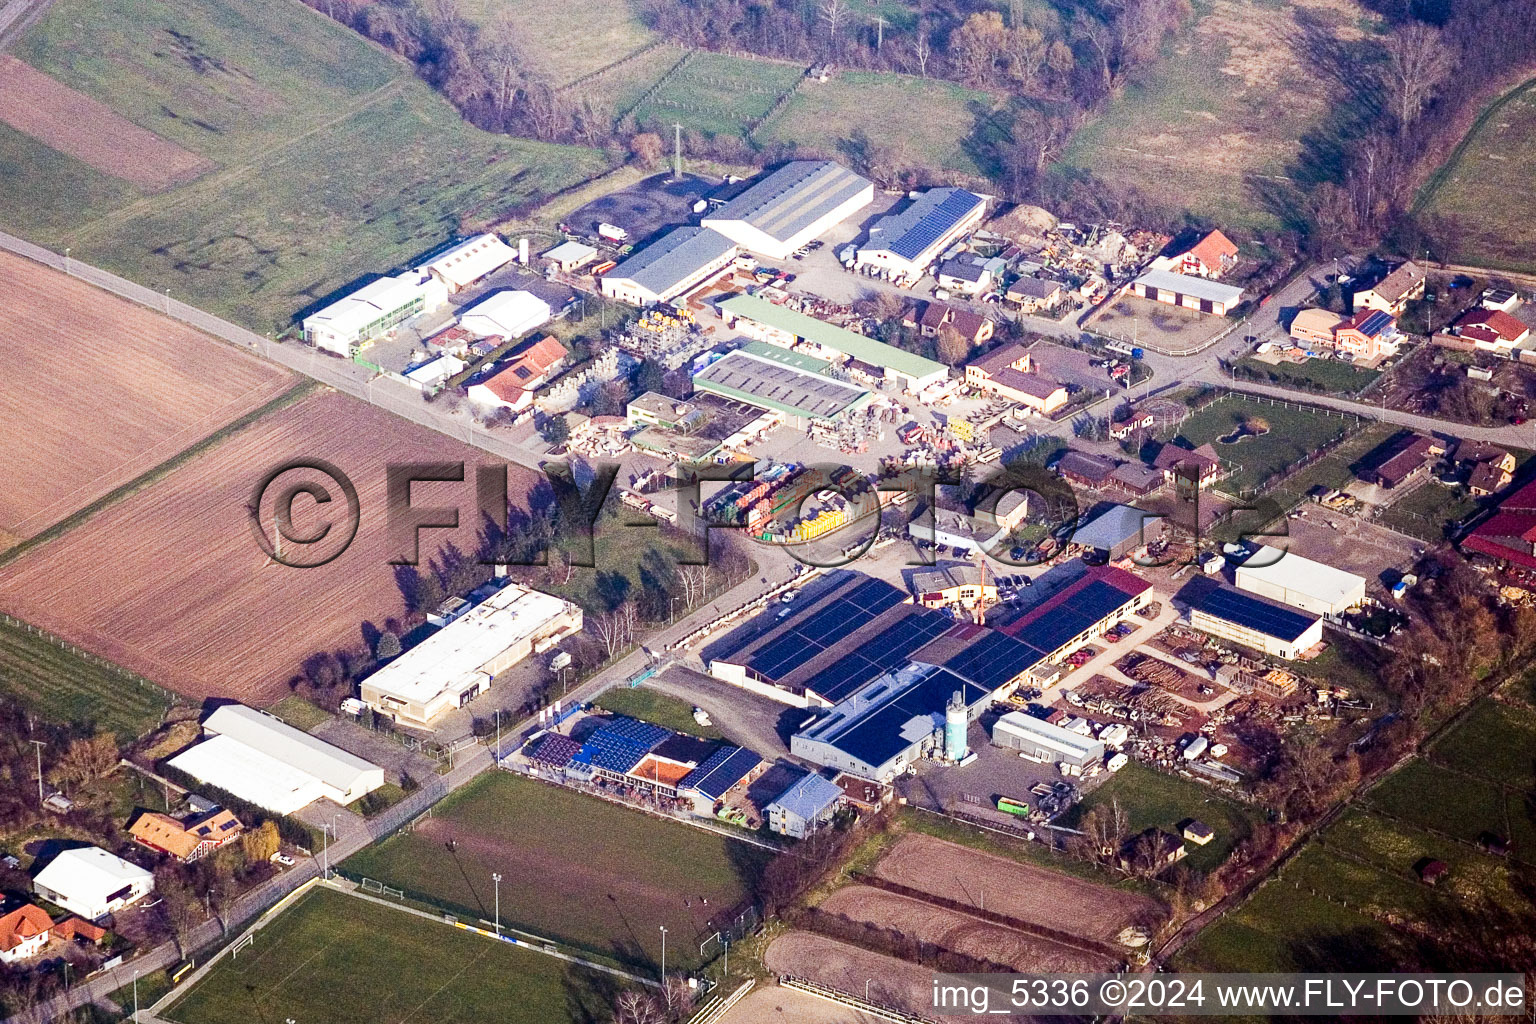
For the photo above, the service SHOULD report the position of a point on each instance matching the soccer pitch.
(336, 959)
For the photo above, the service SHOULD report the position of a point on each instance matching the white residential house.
(91, 882)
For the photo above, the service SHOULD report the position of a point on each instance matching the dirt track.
(958, 932)
(171, 583)
(99, 390)
(1031, 894)
(90, 131)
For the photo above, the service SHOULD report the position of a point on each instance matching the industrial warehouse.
(901, 246)
(674, 265)
(1300, 582)
(1257, 622)
(778, 380)
(454, 665)
(795, 204)
(758, 318)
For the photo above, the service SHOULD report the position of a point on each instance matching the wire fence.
(87, 656)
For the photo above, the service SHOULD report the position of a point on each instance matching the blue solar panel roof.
(876, 736)
(1375, 323)
(622, 743)
(1254, 612)
(992, 660)
(720, 771)
(878, 654)
(812, 632)
(935, 223)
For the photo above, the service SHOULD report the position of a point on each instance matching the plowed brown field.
(1020, 891)
(98, 390)
(90, 131)
(171, 583)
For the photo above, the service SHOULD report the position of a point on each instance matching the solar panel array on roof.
(720, 771)
(1257, 613)
(892, 726)
(934, 223)
(1375, 323)
(1059, 624)
(993, 659)
(805, 638)
(878, 654)
(553, 750)
(622, 743)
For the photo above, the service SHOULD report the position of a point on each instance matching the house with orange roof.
(1491, 330)
(1212, 256)
(513, 385)
(186, 841)
(24, 933)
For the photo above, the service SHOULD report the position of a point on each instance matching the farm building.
(760, 319)
(1300, 582)
(24, 932)
(784, 210)
(778, 380)
(1072, 604)
(189, 840)
(1041, 741)
(809, 803)
(669, 268)
(1394, 291)
(903, 245)
(271, 764)
(1250, 620)
(454, 665)
(1135, 478)
(1509, 534)
(515, 381)
(1084, 470)
(1211, 256)
(373, 310)
(571, 255)
(1187, 292)
(958, 586)
(506, 314)
(1117, 531)
(1009, 371)
(466, 262)
(91, 882)
(1404, 457)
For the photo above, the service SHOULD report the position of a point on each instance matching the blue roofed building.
(1073, 604)
(1250, 620)
(723, 771)
(902, 246)
(805, 806)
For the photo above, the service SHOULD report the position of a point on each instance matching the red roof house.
(1211, 257)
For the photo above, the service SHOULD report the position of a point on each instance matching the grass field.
(1494, 741)
(63, 687)
(570, 47)
(650, 706)
(1224, 114)
(1326, 376)
(300, 713)
(573, 867)
(1294, 432)
(718, 94)
(1151, 799)
(334, 160)
(832, 116)
(1485, 187)
(336, 958)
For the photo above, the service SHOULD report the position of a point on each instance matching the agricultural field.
(862, 108)
(1151, 799)
(1021, 891)
(718, 94)
(574, 867)
(1216, 123)
(80, 418)
(333, 159)
(339, 958)
(61, 686)
(1261, 439)
(1484, 188)
(170, 582)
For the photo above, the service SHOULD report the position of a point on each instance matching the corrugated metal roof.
(1194, 287)
(792, 198)
(672, 258)
(831, 336)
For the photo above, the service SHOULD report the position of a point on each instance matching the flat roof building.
(454, 665)
(1300, 582)
(776, 379)
(901, 246)
(1187, 291)
(1041, 741)
(1250, 620)
(784, 210)
(506, 314)
(571, 255)
(373, 310)
(672, 266)
(763, 320)
(91, 882)
(269, 763)
(1118, 531)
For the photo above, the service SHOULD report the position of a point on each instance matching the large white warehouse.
(454, 665)
(506, 314)
(91, 882)
(1041, 741)
(1301, 582)
(796, 203)
(273, 765)
(373, 310)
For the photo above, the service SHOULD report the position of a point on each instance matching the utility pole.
(496, 878)
(39, 744)
(677, 151)
(135, 997)
(663, 953)
(879, 33)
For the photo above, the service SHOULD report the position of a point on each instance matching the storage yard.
(108, 586)
(79, 417)
(574, 868)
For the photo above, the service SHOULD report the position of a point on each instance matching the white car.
(283, 859)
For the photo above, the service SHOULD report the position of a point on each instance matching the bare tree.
(635, 1006)
(500, 59)
(1418, 63)
(832, 12)
(920, 50)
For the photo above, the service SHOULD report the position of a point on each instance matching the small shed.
(1198, 832)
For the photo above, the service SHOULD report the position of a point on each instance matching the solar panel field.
(574, 868)
(340, 959)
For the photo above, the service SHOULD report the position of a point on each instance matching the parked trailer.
(1010, 806)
